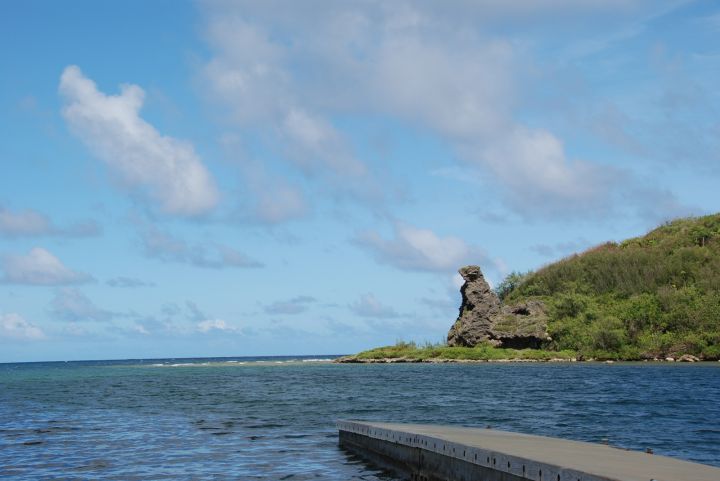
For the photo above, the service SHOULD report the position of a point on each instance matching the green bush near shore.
(410, 351)
(653, 296)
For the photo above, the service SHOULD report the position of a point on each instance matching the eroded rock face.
(483, 318)
(478, 308)
(522, 325)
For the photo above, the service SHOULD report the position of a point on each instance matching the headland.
(650, 298)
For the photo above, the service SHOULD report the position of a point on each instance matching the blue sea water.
(273, 418)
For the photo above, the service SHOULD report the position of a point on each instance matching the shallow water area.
(273, 418)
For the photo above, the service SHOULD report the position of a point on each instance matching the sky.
(243, 178)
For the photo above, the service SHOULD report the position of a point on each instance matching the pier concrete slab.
(451, 453)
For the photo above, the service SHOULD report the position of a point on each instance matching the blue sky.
(224, 178)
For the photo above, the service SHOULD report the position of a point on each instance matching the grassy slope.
(652, 296)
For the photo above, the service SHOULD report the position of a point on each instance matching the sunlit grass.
(412, 352)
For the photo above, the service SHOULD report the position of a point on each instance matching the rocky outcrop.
(521, 326)
(479, 307)
(483, 318)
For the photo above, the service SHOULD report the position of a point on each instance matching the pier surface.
(448, 453)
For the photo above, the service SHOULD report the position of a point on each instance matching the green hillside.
(647, 297)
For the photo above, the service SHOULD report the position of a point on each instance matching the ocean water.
(273, 418)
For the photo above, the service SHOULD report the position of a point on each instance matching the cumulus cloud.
(403, 64)
(14, 326)
(71, 305)
(541, 179)
(166, 247)
(296, 305)
(413, 248)
(30, 223)
(442, 68)
(38, 267)
(165, 169)
(369, 306)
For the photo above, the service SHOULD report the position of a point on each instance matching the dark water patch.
(265, 426)
(94, 465)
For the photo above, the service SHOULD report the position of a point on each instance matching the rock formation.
(479, 307)
(483, 318)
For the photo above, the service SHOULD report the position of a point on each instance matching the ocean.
(274, 418)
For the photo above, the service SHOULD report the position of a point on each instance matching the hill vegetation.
(649, 297)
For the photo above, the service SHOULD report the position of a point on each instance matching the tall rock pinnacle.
(479, 306)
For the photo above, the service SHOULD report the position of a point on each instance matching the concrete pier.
(447, 453)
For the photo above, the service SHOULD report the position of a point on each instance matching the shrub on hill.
(653, 296)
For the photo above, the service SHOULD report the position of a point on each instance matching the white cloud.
(459, 69)
(38, 267)
(419, 249)
(369, 306)
(247, 70)
(210, 325)
(402, 60)
(164, 168)
(463, 87)
(72, 305)
(14, 326)
(30, 223)
(541, 180)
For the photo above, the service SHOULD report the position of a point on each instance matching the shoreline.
(402, 360)
(409, 352)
